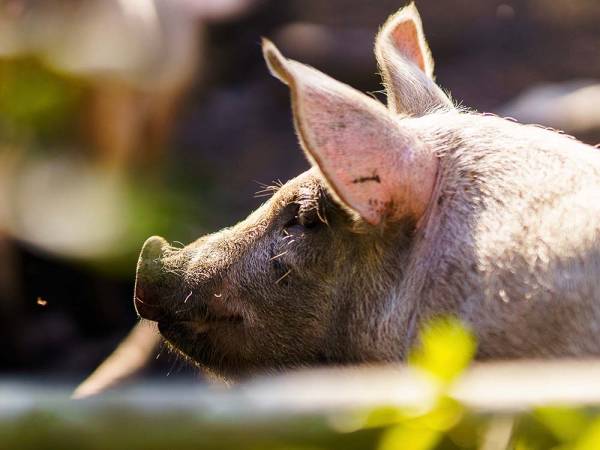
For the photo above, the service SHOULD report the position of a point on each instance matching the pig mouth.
(198, 326)
(199, 338)
(207, 321)
(202, 323)
(198, 317)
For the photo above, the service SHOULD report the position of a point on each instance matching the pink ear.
(371, 162)
(406, 65)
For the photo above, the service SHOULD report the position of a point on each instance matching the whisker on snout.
(162, 346)
(283, 276)
(179, 311)
(278, 256)
(184, 302)
(139, 300)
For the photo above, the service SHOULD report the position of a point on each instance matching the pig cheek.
(260, 282)
(278, 257)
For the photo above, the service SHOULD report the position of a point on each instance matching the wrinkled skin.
(404, 216)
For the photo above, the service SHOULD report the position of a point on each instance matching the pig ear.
(375, 166)
(406, 65)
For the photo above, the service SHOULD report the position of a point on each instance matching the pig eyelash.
(314, 209)
(317, 202)
(268, 190)
(263, 193)
(321, 215)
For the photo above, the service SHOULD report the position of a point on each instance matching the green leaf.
(403, 437)
(590, 439)
(446, 349)
(566, 424)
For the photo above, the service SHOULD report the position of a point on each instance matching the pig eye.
(308, 219)
(305, 218)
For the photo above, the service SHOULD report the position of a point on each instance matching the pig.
(410, 211)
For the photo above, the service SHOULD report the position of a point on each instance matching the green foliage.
(559, 428)
(445, 351)
(446, 348)
(565, 424)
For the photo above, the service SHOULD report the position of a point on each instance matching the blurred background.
(120, 119)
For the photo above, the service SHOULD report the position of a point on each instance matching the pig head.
(410, 211)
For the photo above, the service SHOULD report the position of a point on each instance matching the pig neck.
(493, 249)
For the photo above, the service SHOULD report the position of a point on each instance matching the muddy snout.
(153, 284)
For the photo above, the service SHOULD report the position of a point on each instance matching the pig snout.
(163, 292)
(152, 280)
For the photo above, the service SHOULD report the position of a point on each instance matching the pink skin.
(370, 162)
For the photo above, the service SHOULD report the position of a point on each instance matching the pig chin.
(200, 343)
(208, 341)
